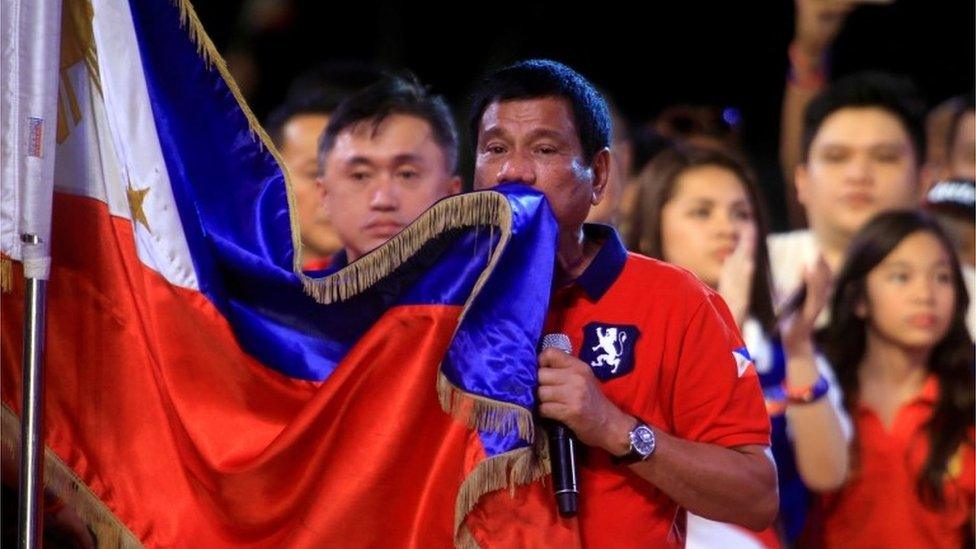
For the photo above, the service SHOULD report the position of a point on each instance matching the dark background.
(728, 54)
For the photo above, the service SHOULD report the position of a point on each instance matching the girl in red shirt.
(901, 351)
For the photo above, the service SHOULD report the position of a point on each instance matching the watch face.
(642, 439)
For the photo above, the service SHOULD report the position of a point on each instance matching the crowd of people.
(859, 322)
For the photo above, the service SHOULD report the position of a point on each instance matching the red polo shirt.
(879, 505)
(672, 349)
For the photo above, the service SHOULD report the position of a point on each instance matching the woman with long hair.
(904, 358)
(700, 208)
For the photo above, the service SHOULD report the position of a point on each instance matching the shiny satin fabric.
(493, 353)
(246, 414)
(192, 442)
(232, 201)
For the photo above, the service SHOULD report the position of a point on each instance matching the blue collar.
(603, 271)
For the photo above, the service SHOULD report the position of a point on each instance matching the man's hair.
(282, 114)
(394, 95)
(895, 95)
(319, 91)
(538, 78)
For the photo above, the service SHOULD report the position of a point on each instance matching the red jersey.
(667, 351)
(879, 506)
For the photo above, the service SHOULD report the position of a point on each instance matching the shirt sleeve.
(717, 396)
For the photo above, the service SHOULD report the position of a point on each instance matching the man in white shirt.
(863, 147)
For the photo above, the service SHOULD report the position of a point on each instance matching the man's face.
(377, 183)
(860, 162)
(299, 147)
(535, 142)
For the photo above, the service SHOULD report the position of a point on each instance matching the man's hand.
(569, 393)
(730, 485)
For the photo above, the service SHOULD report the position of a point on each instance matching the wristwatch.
(642, 444)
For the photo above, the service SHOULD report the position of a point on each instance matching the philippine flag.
(201, 392)
(742, 361)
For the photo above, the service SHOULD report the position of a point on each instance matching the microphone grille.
(557, 341)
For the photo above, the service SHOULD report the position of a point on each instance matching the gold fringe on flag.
(464, 540)
(507, 470)
(6, 274)
(206, 49)
(61, 481)
(483, 413)
(489, 209)
(484, 208)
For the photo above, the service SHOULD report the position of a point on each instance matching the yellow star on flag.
(136, 198)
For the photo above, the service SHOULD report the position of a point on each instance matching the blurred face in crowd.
(535, 142)
(299, 146)
(706, 218)
(611, 208)
(962, 150)
(910, 296)
(379, 181)
(861, 162)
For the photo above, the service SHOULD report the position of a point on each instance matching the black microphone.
(562, 447)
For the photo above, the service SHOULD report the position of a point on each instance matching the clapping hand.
(796, 327)
(735, 282)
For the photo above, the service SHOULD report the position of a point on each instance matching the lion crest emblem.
(608, 349)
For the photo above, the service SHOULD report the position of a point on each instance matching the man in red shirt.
(661, 390)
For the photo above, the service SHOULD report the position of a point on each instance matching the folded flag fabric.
(201, 391)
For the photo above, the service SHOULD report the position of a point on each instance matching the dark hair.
(648, 143)
(897, 96)
(319, 91)
(655, 187)
(951, 361)
(705, 124)
(282, 114)
(538, 78)
(394, 95)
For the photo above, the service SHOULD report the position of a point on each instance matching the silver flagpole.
(31, 59)
(32, 415)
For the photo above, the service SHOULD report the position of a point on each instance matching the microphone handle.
(562, 447)
(562, 456)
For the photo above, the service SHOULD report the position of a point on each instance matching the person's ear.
(601, 174)
(861, 309)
